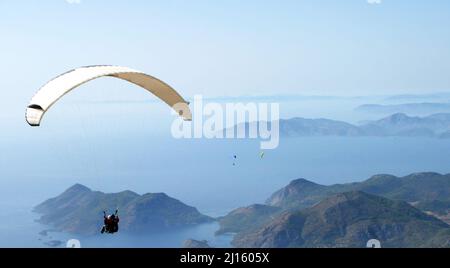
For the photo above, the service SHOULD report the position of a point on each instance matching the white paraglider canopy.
(61, 85)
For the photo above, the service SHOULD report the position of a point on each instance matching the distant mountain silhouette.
(431, 97)
(299, 127)
(402, 125)
(79, 210)
(423, 108)
(399, 124)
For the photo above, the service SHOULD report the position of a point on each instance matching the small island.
(79, 210)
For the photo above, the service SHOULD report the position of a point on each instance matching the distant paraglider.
(63, 84)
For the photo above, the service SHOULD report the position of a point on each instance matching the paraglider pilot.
(111, 223)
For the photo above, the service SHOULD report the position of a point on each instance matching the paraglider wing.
(61, 85)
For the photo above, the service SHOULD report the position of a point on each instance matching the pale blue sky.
(232, 47)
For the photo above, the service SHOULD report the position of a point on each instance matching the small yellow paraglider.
(262, 154)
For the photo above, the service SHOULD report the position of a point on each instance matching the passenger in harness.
(111, 223)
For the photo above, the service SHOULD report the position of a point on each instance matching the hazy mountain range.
(402, 212)
(436, 125)
(80, 210)
(424, 108)
(431, 97)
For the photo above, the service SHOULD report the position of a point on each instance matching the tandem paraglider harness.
(111, 223)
